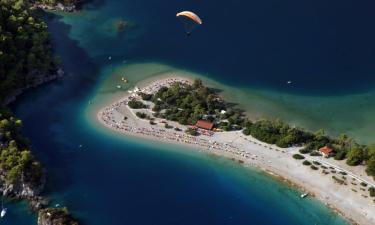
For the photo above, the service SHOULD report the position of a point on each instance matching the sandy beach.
(351, 200)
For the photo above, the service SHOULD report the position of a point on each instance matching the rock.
(55, 216)
(22, 189)
(60, 72)
(38, 203)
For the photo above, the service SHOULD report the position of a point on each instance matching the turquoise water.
(118, 180)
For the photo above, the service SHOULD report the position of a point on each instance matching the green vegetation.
(186, 104)
(372, 191)
(281, 134)
(355, 156)
(25, 50)
(315, 153)
(16, 160)
(306, 163)
(57, 216)
(134, 104)
(314, 167)
(192, 132)
(298, 156)
(317, 163)
(276, 132)
(371, 161)
(145, 97)
(142, 115)
(338, 180)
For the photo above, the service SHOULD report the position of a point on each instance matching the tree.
(197, 83)
(355, 156)
(371, 166)
(371, 151)
(25, 50)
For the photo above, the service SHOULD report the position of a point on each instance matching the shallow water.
(113, 179)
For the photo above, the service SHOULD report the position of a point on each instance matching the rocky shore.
(42, 80)
(27, 187)
(55, 216)
(59, 6)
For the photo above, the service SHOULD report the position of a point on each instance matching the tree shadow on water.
(49, 110)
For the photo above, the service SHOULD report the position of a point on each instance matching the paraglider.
(190, 20)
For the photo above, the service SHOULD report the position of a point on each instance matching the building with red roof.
(326, 151)
(204, 124)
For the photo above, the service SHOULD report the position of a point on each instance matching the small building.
(326, 151)
(204, 124)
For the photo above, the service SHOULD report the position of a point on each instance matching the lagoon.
(113, 179)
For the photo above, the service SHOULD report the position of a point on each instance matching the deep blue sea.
(325, 47)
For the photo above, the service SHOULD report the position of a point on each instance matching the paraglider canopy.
(190, 20)
(191, 16)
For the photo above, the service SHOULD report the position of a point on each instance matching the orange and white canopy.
(191, 16)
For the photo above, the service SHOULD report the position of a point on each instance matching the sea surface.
(249, 50)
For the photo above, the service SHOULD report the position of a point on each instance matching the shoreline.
(247, 151)
(12, 98)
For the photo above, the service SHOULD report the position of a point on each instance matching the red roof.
(326, 150)
(204, 124)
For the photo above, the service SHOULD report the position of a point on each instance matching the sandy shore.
(351, 200)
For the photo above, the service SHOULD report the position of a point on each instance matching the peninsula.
(180, 110)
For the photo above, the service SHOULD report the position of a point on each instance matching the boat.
(289, 82)
(118, 86)
(110, 57)
(304, 195)
(124, 79)
(3, 210)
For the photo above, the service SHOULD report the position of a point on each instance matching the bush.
(314, 167)
(306, 163)
(177, 129)
(192, 132)
(316, 163)
(338, 180)
(146, 97)
(315, 153)
(298, 156)
(371, 166)
(340, 155)
(372, 191)
(355, 156)
(363, 184)
(141, 115)
(134, 104)
(304, 151)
